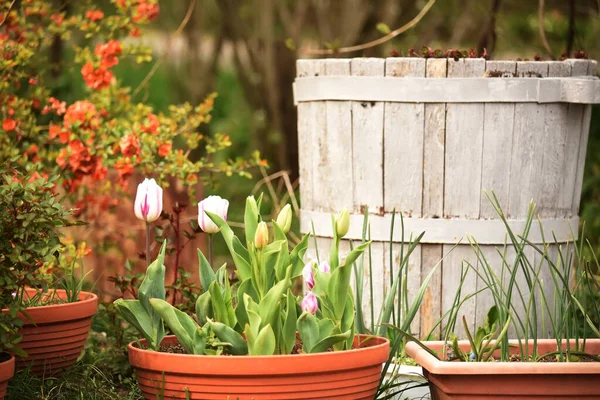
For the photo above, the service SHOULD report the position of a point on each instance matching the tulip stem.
(147, 244)
(210, 249)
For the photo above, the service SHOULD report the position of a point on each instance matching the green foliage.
(30, 219)
(140, 313)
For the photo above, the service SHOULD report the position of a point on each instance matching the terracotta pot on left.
(7, 370)
(54, 335)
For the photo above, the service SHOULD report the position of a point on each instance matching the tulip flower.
(310, 303)
(307, 275)
(342, 223)
(215, 205)
(284, 219)
(261, 237)
(148, 201)
(324, 266)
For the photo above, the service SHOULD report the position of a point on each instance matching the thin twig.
(150, 74)
(542, 30)
(375, 42)
(10, 6)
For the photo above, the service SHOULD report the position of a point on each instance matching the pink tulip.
(308, 276)
(324, 267)
(148, 201)
(215, 205)
(310, 303)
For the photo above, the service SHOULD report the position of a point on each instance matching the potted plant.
(51, 325)
(490, 365)
(255, 339)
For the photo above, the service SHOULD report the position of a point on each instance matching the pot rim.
(84, 308)
(259, 365)
(439, 367)
(7, 368)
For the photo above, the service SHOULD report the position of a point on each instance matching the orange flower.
(82, 112)
(164, 149)
(135, 32)
(57, 18)
(145, 12)
(108, 52)
(130, 145)
(96, 78)
(153, 124)
(9, 124)
(94, 15)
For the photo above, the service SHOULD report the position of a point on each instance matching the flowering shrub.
(96, 143)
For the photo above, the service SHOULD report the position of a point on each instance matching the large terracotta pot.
(509, 380)
(347, 375)
(54, 335)
(7, 370)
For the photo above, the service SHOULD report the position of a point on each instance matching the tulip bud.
(148, 201)
(342, 223)
(310, 303)
(215, 205)
(324, 266)
(284, 219)
(308, 276)
(261, 237)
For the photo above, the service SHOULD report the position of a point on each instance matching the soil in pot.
(7, 370)
(352, 374)
(54, 335)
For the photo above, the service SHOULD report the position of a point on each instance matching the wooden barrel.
(427, 137)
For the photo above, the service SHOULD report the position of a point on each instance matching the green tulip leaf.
(251, 218)
(181, 324)
(239, 253)
(308, 329)
(297, 257)
(204, 308)
(135, 314)
(207, 275)
(225, 333)
(269, 307)
(330, 341)
(153, 287)
(218, 304)
(289, 325)
(264, 344)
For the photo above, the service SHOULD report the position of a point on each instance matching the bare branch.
(376, 42)
(152, 71)
(542, 30)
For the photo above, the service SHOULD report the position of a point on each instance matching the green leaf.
(290, 44)
(289, 325)
(199, 341)
(204, 308)
(218, 304)
(181, 324)
(239, 253)
(153, 287)
(207, 275)
(227, 334)
(135, 314)
(297, 257)
(384, 28)
(278, 233)
(265, 344)
(325, 327)
(251, 218)
(276, 259)
(308, 329)
(328, 342)
(269, 307)
(340, 281)
(245, 288)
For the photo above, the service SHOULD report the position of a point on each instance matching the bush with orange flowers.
(95, 143)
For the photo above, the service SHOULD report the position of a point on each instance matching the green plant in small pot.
(36, 316)
(535, 294)
(257, 336)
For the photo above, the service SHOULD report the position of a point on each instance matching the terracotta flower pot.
(350, 374)
(509, 380)
(54, 335)
(7, 370)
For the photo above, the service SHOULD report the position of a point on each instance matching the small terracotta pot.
(54, 335)
(352, 374)
(7, 370)
(509, 380)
